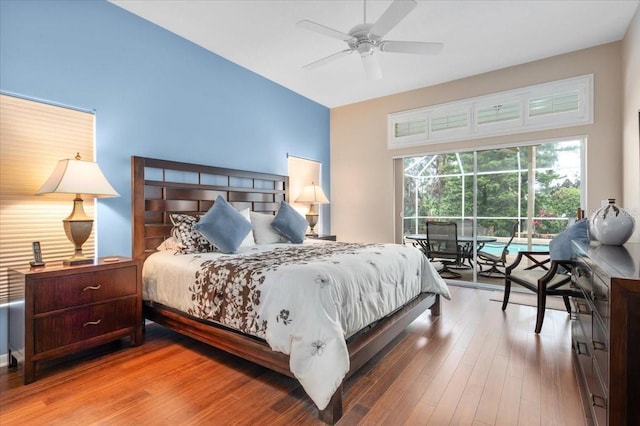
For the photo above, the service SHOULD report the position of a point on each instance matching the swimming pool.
(493, 248)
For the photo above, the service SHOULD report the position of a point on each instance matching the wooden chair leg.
(542, 304)
(507, 292)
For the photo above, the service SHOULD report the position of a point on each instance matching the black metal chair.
(494, 261)
(442, 246)
(544, 277)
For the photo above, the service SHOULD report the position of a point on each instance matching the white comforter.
(305, 302)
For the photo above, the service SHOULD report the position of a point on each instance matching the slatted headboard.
(162, 187)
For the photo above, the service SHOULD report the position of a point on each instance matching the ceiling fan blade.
(327, 59)
(372, 66)
(417, 47)
(392, 16)
(321, 29)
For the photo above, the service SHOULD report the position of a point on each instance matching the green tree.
(444, 182)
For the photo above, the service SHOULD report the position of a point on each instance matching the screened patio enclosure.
(485, 192)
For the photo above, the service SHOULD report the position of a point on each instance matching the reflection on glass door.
(521, 195)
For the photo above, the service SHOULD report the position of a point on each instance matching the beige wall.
(631, 110)
(362, 184)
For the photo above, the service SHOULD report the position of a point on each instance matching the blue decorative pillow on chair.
(560, 246)
(224, 226)
(291, 224)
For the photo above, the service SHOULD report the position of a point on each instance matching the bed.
(274, 282)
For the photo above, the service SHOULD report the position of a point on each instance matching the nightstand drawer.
(74, 290)
(80, 324)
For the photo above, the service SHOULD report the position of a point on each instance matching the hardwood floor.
(473, 365)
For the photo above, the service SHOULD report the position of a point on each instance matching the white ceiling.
(479, 36)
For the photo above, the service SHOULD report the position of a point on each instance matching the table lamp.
(313, 195)
(74, 176)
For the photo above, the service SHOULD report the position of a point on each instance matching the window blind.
(34, 136)
(498, 113)
(552, 105)
(410, 128)
(303, 172)
(448, 121)
(555, 103)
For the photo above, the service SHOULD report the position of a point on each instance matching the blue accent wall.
(155, 95)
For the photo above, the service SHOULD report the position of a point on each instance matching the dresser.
(606, 331)
(57, 310)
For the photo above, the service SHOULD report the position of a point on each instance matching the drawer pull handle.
(581, 348)
(582, 308)
(91, 323)
(600, 346)
(598, 401)
(92, 287)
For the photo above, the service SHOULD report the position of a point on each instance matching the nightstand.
(57, 310)
(322, 237)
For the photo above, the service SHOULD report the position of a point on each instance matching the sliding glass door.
(536, 188)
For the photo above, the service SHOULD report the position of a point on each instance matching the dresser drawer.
(600, 350)
(76, 325)
(596, 396)
(594, 287)
(79, 289)
(600, 299)
(583, 318)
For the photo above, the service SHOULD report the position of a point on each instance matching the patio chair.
(494, 261)
(545, 277)
(549, 272)
(442, 246)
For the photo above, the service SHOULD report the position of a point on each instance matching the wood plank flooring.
(473, 365)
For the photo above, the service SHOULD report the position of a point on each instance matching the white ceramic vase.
(612, 225)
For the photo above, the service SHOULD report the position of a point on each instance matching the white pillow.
(248, 240)
(263, 233)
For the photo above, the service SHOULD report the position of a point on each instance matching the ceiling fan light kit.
(366, 39)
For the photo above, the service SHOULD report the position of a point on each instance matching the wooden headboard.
(162, 187)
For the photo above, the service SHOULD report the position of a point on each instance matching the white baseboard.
(4, 360)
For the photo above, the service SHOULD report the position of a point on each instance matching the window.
(539, 186)
(498, 113)
(558, 104)
(409, 129)
(34, 136)
(554, 104)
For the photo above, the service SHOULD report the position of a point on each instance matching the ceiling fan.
(366, 39)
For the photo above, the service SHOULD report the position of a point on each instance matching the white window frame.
(584, 115)
(409, 140)
(489, 129)
(453, 133)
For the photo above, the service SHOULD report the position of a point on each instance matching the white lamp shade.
(312, 194)
(78, 177)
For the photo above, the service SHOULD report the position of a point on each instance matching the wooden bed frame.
(161, 187)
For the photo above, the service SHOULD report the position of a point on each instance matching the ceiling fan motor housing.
(363, 40)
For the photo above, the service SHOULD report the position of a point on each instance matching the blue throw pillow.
(560, 246)
(291, 224)
(224, 226)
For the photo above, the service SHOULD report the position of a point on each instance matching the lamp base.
(78, 228)
(312, 219)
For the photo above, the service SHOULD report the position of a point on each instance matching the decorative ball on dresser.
(612, 225)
